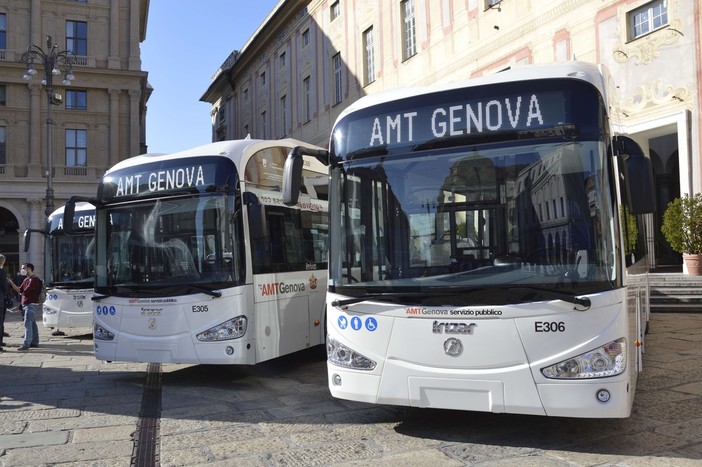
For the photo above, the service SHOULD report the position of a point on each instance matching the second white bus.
(199, 261)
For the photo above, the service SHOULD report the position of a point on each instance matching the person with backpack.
(30, 289)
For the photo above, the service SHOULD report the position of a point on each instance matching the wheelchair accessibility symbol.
(357, 324)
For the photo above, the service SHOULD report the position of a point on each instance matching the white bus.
(477, 247)
(199, 261)
(68, 269)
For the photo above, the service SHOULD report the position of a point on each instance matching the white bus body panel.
(287, 307)
(68, 308)
(499, 368)
(164, 329)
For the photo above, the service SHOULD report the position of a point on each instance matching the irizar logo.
(453, 328)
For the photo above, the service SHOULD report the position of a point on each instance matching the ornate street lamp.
(52, 60)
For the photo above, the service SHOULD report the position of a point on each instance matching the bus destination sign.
(196, 174)
(168, 179)
(473, 116)
(82, 220)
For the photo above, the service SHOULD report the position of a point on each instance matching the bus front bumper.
(175, 349)
(503, 392)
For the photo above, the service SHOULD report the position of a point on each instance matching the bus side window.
(260, 258)
(308, 244)
(278, 243)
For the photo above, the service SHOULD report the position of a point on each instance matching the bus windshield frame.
(70, 262)
(505, 215)
(174, 228)
(70, 259)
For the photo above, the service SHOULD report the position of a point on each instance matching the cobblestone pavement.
(60, 406)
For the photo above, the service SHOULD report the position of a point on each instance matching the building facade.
(310, 59)
(86, 124)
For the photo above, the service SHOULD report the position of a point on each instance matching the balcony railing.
(61, 173)
(10, 55)
(79, 60)
(75, 171)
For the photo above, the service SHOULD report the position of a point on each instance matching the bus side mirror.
(292, 172)
(69, 211)
(638, 176)
(292, 178)
(27, 237)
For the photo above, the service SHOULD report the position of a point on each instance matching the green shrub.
(682, 224)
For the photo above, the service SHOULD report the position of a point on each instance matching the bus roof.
(238, 151)
(597, 75)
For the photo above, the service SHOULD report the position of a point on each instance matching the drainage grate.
(147, 438)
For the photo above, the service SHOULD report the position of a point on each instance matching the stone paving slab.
(26, 440)
(61, 407)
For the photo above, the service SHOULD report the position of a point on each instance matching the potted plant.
(682, 227)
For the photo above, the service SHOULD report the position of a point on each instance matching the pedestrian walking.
(4, 290)
(30, 289)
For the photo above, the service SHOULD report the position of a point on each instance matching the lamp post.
(52, 60)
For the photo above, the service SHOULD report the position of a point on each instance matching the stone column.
(36, 220)
(114, 60)
(134, 55)
(134, 123)
(36, 130)
(35, 34)
(113, 151)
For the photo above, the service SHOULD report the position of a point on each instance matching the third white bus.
(68, 268)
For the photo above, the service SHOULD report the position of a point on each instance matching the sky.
(186, 42)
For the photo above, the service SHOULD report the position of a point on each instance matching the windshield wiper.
(199, 288)
(213, 293)
(582, 301)
(389, 296)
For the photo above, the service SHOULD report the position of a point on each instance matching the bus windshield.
(70, 260)
(170, 242)
(475, 219)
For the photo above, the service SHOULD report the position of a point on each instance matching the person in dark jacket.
(30, 289)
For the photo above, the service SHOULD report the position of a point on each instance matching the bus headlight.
(607, 360)
(231, 329)
(102, 334)
(341, 355)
